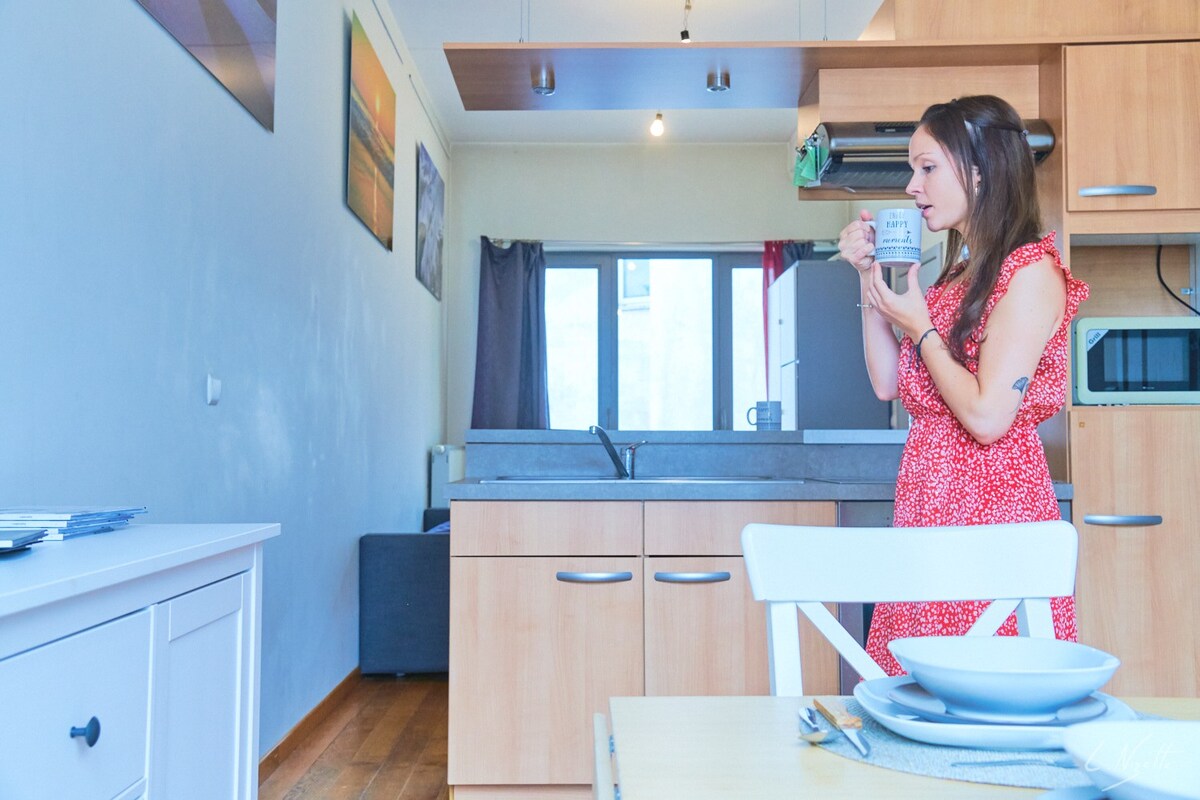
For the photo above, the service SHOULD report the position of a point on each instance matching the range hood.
(873, 156)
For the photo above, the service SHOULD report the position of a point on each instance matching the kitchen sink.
(615, 479)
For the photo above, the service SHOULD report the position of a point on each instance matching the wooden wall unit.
(1123, 281)
(1023, 19)
(1135, 593)
(1131, 119)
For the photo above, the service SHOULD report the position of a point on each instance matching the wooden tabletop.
(722, 747)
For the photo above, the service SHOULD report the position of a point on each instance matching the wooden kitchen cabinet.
(705, 634)
(532, 658)
(711, 638)
(534, 655)
(1135, 591)
(1131, 112)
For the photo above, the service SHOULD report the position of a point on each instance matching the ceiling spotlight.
(684, 36)
(543, 82)
(656, 127)
(718, 82)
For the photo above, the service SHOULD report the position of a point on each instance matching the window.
(654, 340)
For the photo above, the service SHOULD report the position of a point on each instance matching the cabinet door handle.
(90, 732)
(594, 577)
(1117, 189)
(691, 577)
(1123, 520)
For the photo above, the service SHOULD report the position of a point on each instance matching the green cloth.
(809, 161)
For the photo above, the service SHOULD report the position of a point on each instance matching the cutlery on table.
(808, 718)
(835, 711)
(1066, 762)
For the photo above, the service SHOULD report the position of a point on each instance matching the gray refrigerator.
(815, 350)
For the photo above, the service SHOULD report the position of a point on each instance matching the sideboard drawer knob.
(90, 732)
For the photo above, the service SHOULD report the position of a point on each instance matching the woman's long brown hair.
(985, 134)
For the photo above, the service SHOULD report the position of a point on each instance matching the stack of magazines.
(56, 523)
(14, 539)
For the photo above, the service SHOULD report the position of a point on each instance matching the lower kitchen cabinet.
(1135, 592)
(558, 606)
(537, 646)
(705, 634)
(712, 638)
(131, 662)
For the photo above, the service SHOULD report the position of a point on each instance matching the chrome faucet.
(622, 472)
(629, 453)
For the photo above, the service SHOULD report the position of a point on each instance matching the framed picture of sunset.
(371, 165)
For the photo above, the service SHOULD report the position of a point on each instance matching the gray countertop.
(783, 489)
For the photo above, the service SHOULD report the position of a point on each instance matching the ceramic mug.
(897, 237)
(768, 415)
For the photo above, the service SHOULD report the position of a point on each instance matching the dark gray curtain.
(796, 251)
(510, 353)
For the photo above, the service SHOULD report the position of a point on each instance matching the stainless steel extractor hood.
(873, 156)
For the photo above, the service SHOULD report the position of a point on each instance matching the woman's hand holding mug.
(856, 242)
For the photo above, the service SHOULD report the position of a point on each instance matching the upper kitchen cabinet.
(1131, 112)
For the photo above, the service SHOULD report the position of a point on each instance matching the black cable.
(1167, 289)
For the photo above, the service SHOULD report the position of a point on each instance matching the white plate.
(1141, 760)
(873, 697)
(915, 699)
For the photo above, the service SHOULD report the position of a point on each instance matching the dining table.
(748, 747)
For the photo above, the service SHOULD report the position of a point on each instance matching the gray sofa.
(404, 600)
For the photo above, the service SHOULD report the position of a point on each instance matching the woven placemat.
(896, 752)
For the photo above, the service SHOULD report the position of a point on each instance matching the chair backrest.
(1018, 566)
(602, 774)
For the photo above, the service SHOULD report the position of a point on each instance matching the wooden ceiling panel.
(597, 76)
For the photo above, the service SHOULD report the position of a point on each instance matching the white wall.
(653, 193)
(151, 232)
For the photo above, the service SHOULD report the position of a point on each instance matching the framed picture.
(431, 207)
(234, 40)
(371, 166)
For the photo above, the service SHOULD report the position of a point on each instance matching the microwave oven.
(1136, 360)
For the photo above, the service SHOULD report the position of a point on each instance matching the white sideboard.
(129, 664)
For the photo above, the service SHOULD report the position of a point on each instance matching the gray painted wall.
(152, 232)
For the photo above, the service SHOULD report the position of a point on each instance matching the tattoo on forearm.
(1020, 384)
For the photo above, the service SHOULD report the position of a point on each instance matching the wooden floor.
(386, 741)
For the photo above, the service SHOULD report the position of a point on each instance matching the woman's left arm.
(1017, 331)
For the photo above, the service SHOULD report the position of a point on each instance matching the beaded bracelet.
(921, 341)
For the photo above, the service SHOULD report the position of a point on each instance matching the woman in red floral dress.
(983, 355)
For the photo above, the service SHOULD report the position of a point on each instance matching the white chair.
(602, 775)
(1018, 566)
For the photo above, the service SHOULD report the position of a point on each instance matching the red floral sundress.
(948, 478)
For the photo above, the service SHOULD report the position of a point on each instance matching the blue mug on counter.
(768, 415)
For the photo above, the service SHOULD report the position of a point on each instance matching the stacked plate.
(994, 692)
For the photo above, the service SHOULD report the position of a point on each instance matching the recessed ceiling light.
(718, 82)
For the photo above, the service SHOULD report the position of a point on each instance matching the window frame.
(605, 263)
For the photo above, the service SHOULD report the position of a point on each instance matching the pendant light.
(684, 36)
(656, 127)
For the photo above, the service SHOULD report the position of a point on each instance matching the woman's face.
(935, 185)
